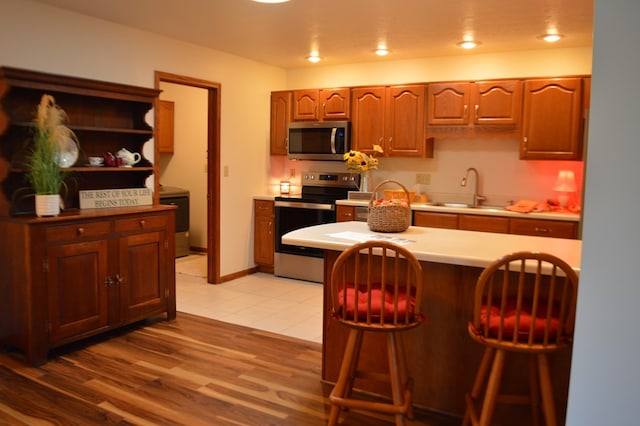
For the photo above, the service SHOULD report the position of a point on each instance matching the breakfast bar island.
(441, 356)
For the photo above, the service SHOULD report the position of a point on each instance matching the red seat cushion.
(378, 303)
(525, 321)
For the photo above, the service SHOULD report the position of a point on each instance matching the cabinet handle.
(347, 214)
(464, 111)
(80, 231)
(270, 227)
(476, 112)
(108, 281)
(119, 279)
(324, 109)
(542, 230)
(390, 140)
(142, 223)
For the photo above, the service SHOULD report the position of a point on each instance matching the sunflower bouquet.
(358, 162)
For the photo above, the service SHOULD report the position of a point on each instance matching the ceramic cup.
(96, 161)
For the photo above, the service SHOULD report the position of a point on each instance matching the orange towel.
(522, 206)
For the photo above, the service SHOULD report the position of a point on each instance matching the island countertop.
(450, 246)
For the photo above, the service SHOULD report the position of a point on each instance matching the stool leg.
(492, 389)
(405, 377)
(353, 366)
(547, 391)
(534, 390)
(394, 373)
(478, 382)
(349, 360)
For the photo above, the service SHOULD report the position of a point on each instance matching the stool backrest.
(526, 299)
(377, 284)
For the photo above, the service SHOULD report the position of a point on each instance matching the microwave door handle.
(333, 140)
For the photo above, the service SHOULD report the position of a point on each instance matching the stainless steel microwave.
(321, 140)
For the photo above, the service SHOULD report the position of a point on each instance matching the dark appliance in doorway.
(178, 197)
(315, 206)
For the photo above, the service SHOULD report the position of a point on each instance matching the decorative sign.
(108, 198)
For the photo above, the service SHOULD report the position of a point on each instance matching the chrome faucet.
(477, 198)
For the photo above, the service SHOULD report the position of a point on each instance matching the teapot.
(127, 158)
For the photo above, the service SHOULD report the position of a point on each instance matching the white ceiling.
(348, 31)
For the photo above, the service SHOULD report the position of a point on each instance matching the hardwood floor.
(193, 371)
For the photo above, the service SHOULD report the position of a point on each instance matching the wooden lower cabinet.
(503, 225)
(70, 277)
(471, 222)
(264, 243)
(544, 228)
(345, 213)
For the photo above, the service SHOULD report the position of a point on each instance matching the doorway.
(213, 165)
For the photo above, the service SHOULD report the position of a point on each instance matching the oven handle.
(303, 205)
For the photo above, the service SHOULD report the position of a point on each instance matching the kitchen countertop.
(484, 210)
(449, 246)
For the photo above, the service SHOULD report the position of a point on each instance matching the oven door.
(292, 215)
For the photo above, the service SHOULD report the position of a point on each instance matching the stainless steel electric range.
(316, 205)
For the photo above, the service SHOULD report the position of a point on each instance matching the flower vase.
(365, 181)
(47, 205)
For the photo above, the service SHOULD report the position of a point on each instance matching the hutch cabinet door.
(77, 289)
(142, 274)
(305, 105)
(336, 104)
(368, 118)
(264, 244)
(497, 102)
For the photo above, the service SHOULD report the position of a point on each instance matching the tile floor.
(261, 301)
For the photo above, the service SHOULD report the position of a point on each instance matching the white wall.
(39, 37)
(186, 167)
(605, 376)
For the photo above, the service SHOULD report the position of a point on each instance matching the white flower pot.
(47, 205)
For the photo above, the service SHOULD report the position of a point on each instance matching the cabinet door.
(448, 103)
(305, 105)
(435, 220)
(345, 213)
(263, 245)
(77, 289)
(552, 122)
(497, 102)
(280, 118)
(544, 228)
(404, 121)
(483, 223)
(142, 274)
(165, 126)
(336, 104)
(368, 118)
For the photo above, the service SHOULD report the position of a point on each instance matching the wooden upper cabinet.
(336, 104)
(165, 126)
(492, 103)
(321, 104)
(280, 118)
(553, 123)
(404, 124)
(367, 125)
(448, 103)
(390, 116)
(497, 102)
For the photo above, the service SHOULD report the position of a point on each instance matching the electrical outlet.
(423, 178)
(225, 171)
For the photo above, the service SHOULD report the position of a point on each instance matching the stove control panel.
(338, 179)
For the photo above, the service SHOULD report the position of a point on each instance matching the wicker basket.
(393, 218)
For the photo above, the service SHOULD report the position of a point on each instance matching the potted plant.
(44, 170)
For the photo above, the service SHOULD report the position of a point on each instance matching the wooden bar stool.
(376, 286)
(524, 302)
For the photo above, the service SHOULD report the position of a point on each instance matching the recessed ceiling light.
(313, 58)
(271, 1)
(382, 51)
(468, 44)
(551, 38)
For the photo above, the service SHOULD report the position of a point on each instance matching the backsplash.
(504, 178)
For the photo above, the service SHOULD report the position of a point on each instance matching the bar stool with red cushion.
(376, 286)
(524, 302)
